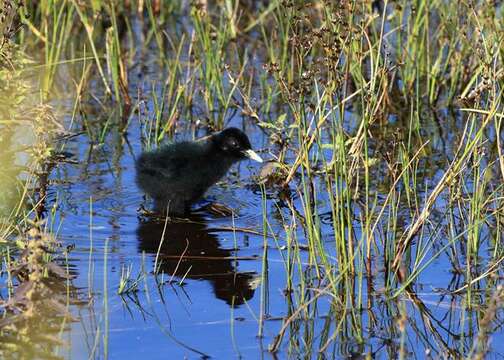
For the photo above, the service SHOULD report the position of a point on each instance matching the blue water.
(206, 296)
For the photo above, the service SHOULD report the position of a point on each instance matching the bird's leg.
(145, 212)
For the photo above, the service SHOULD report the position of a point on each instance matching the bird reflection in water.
(191, 251)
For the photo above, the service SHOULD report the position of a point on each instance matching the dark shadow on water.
(191, 251)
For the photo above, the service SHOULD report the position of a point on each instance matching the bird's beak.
(251, 154)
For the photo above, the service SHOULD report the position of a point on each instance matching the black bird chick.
(177, 175)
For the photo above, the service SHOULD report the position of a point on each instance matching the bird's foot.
(142, 211)
(149, 214)
(219, 210)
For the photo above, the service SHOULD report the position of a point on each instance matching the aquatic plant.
(383, 123)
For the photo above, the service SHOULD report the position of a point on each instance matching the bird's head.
(234, 143)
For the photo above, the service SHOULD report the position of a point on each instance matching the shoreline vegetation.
(382, 121)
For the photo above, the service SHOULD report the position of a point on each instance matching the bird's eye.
(233, 143)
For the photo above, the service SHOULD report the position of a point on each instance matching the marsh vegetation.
(373, 231)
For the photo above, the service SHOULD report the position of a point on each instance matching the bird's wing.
(172, 163)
